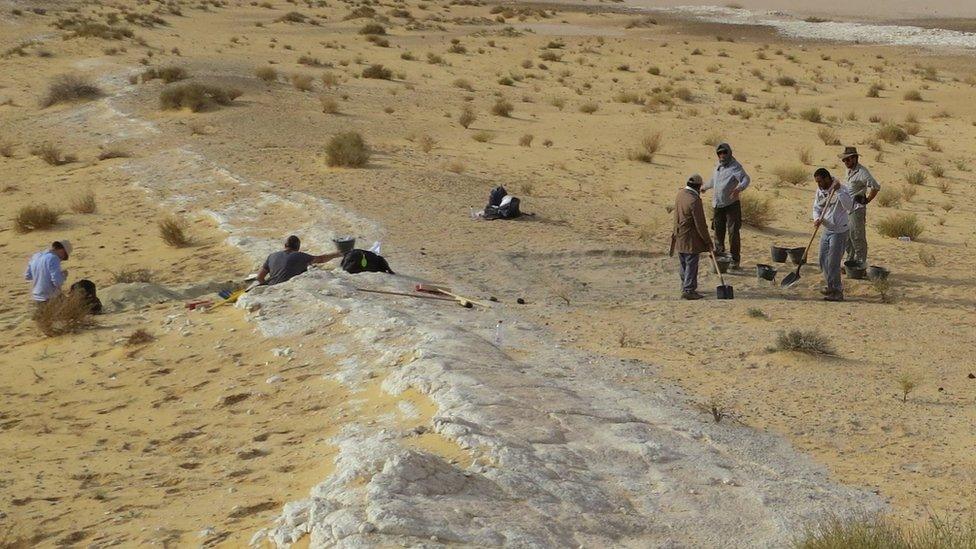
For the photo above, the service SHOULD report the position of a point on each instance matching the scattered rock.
(274, 379)
(230, 400)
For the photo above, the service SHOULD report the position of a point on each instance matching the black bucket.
(765, 272)
(854, 270)
(877, 273)
(724, 292)
(796, 255)
(778, 254)
(344, 244)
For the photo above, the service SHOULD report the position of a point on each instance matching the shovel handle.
(721, 278)
(817, 228)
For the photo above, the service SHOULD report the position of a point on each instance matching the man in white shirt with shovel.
(832, 206)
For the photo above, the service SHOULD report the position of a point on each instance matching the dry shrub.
(347, 149)
(482, 136)
(196, 97)
(6, 149)
(792, 175)
(888, 197)
(908, 192)
(302, 82)
(84, 203)
(915, 177)
(378, 72)
(113, 152)
(912, 95)
(426, 143)
(804, 155)
(927, 258)
(99, 30)
(330, 80)
(268, 74)
(828, 136)
(51, 154)
(127, 276)
(70, 87)
(463, 84)
(35, 218)
(589, 107)
(173, 232)
(64, 314)
(892, 133)
(812, 115)
(372, 28)
(810, 342)
(649, 146)
(502, 107)
(900, 224)
(526, 140)
(880, 532)
(467, 117)
(166, 74)
(757, 212)
(933, 145)
(329, 105)
(139, 337)
(787, 81)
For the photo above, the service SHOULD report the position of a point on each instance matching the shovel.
(794, 277)
(723, 291)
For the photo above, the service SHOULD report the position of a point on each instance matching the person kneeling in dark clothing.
(86, 288)
(286, 264)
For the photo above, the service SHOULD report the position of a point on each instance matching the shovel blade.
(790, 280)
(724, 292)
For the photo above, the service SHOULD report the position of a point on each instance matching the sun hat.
(848, 152)
(695, 180)
(66, 245)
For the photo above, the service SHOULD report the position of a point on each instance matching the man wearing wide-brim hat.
(863, 187)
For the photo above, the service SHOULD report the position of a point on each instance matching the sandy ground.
(859, 10)
(590, 200)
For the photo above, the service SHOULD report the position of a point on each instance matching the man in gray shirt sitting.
(288, 263)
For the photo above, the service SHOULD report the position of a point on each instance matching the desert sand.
(375, 415)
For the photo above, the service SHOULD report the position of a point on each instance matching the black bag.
(360, 261)
(87, 289)
(496, 195)
(509, 211)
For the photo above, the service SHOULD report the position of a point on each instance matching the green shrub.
(348, 150)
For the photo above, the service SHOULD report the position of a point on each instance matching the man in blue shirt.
(44, 271)
(727, 182)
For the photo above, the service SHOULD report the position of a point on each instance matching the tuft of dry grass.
(589, 107)
(812, 114)
(892, 133)
(757, 212)
(196, 97)
(84, 203)
(792, 175)
(650, 144)
(51, 154)
(70, 87)
(347, 150)
(113, 152)
(268, 74)
(810, 342)
(900, 224)
(64, 314)
(467, 116)
(378, 72)
(805, 156)
(302, 82)
(482, 136)
(166, 74)
(139, 337)
(35, 218)
(426, 143)
(502, 107)
(329, 105)
(888, 197)
(6, 149)
(526, 140)
(173, 232)
(828, 136)
(916, 177)
(912, 95)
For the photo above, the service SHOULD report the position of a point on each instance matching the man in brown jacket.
(690, 235)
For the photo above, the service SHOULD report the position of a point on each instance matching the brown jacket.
(690, 234)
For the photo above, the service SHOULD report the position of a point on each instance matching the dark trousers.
(689, 272)
(728, 218)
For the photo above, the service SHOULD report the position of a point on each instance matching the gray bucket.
(344, 244)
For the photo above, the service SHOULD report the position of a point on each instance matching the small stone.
(972, 376)
(207, 532)
(366, 528)
(274, 379)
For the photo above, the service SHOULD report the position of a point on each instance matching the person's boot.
(826, 291)
(692, 295)
(834, 296)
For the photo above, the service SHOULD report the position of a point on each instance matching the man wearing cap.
(835, 220)
(44, 271)
(863, 188)
(282, 266)
(728, 180)
(690, 235)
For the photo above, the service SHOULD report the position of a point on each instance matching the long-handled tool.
(464, 301)
(404, 294)
(723, 291)
(794, 277)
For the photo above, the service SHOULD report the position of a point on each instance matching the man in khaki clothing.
(863, 188)
(690, 235)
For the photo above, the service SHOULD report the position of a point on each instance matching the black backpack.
(86, 288)
(494, 209)
(360, 261)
